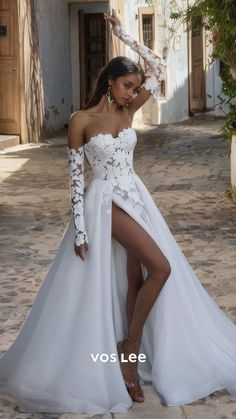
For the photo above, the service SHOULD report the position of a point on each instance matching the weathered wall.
(57, 22)
(212, 79)
(174, 106)
(54, 46)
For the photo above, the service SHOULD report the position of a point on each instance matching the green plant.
(220, 22)
(231, 193)
(229, 91)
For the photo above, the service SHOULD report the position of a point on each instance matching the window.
(146, 26)
(147, 33)
(147, 29)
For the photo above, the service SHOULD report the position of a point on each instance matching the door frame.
(99, 7)
(190, 66)
(13, 61)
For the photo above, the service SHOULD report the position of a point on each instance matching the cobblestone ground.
(186, 168)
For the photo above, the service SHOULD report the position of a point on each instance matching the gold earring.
(108, 94)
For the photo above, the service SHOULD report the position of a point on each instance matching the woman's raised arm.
(157, 66)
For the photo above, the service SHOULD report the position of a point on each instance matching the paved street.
(186, 168)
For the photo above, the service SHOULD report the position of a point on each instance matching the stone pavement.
(186, 168)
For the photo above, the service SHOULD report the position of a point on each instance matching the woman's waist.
(126, 176)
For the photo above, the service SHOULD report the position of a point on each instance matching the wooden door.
(9, 68)
(92, 51)
(197, 81)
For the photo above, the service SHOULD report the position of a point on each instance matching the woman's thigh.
(137, 241)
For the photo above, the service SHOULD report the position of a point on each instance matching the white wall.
(54, 46)
(212, 79)
(57, 22)
(174, 106)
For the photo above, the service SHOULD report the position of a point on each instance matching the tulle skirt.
(64, 357)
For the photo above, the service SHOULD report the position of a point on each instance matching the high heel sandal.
(136, 393)
(131, 378)
(127, 374)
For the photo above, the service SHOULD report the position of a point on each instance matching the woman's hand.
(113, 19)
(81, 250)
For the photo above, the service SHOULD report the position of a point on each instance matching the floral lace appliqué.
(112, 159)
(76, 181)
(157, 66)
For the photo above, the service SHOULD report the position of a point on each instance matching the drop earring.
(108, 94)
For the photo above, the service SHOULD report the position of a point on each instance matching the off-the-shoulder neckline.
(108, 134)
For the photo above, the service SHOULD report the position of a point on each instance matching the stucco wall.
(212, 79)
(59, 51)
(54, 46)
(174, 106)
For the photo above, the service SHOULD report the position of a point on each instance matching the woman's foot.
(136, 393)
(129, 369)
(126, 368)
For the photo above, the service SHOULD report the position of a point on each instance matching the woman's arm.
(157, 65)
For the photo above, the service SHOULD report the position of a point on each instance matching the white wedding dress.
(79, 310)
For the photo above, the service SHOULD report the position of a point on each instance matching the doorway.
(9, 68)
(92, 47)
(197, 75)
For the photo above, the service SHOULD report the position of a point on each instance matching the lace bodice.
(111, 158)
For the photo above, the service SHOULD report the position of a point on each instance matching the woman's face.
(124, 88)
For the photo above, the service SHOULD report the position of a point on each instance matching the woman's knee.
(161, 270)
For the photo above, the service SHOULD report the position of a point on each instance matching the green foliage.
(220, 21)
(229, 128)
(228, 89)
(231, 193)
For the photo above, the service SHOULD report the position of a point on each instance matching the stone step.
(9, 141)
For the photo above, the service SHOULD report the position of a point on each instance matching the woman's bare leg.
(139, 244)
(135, 281)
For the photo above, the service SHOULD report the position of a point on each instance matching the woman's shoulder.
(82, 117)
(78, 122)
(78, 117)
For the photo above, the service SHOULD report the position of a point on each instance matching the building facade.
(75, 43)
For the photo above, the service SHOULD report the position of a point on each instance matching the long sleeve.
(76, 182)
(156, 64)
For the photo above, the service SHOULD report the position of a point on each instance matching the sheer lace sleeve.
(76, 182)
(157, 65)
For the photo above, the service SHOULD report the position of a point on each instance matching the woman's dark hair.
(117, 67)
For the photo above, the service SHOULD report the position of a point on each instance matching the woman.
(105, 291)
(111, 110)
